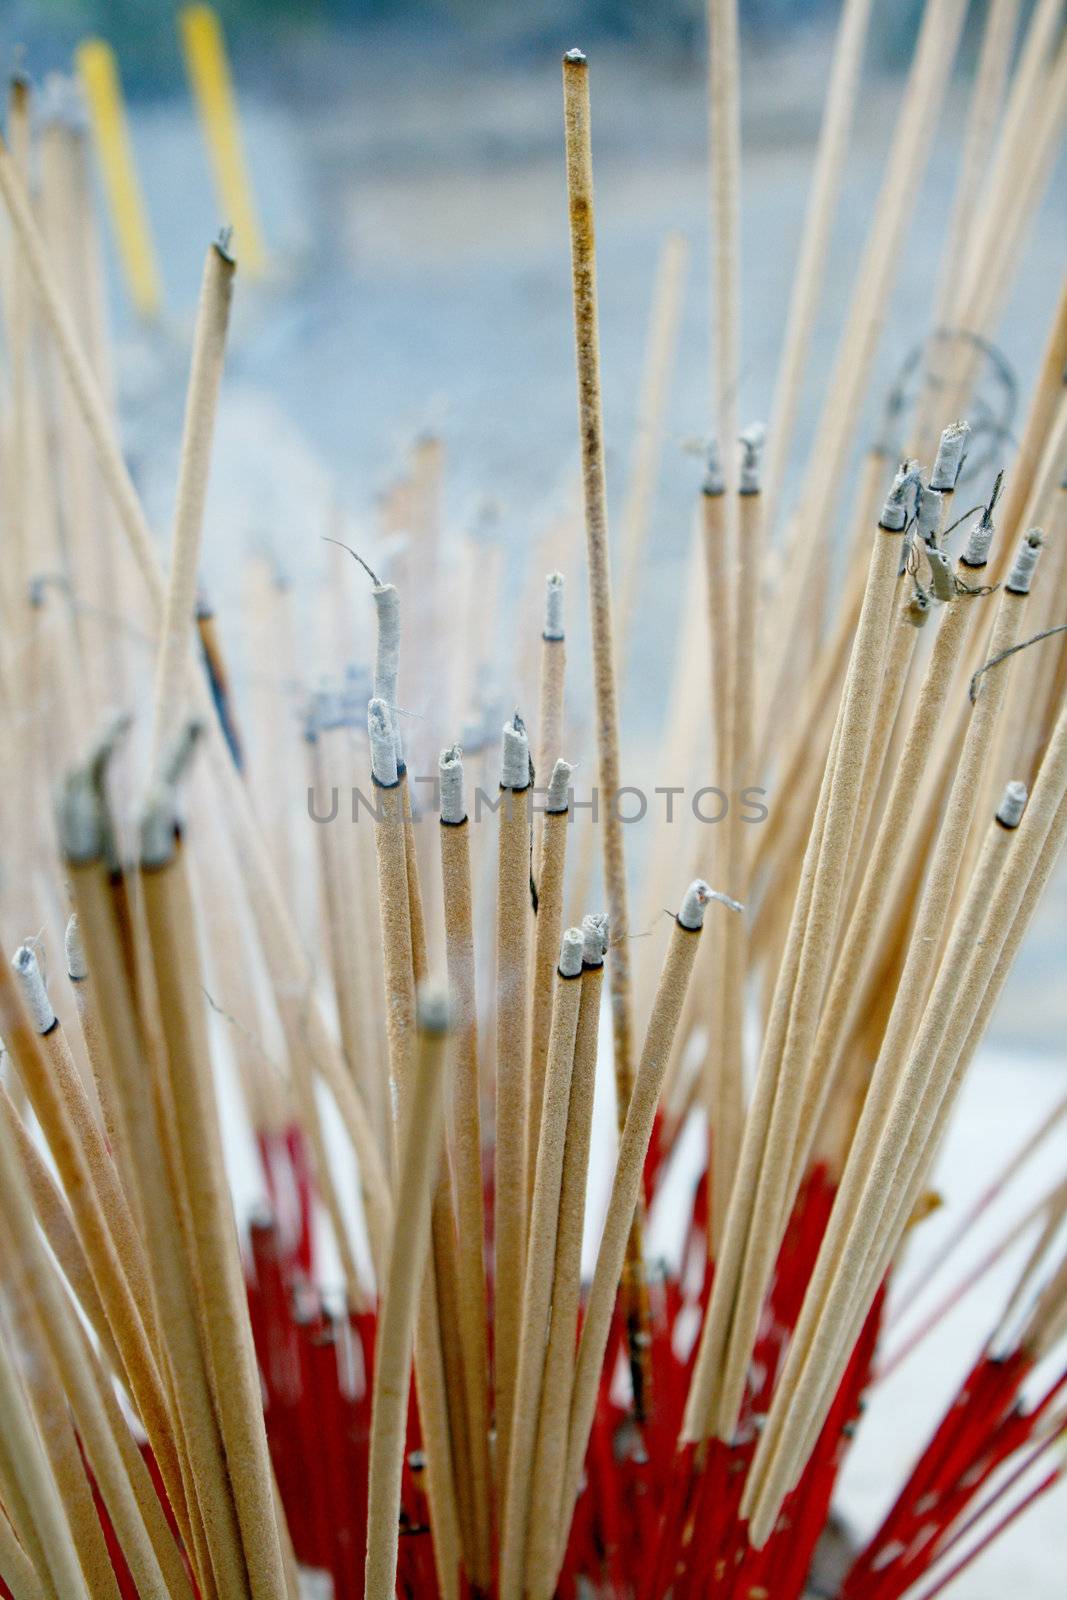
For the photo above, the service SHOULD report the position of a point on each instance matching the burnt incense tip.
(900, 500)
(553, 628)
(515, 755)
(1012, 804)
(714, 480)
(450, 773)
(559, 786)
(32, 987)
(223, 243)
(1022, 569)
(751, 440)
(929, 507)
(575, 58)
(595, 938)
(383, 763)
(571, 951)
(434, 1010)
(694, 904)
(951, 452)
(158, 827)
(918, 608)
(80, 817)
(74, 949)
(980, 538)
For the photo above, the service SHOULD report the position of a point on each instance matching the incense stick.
(420, 1133)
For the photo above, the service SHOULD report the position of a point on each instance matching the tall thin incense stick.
(421, 1130)
(591, 433)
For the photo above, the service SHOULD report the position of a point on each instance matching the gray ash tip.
(1012, 804)
(714, 481)
(900, 501)
(575, 58)
(694, 904)
(980, 538)
(951, 452)
(942, 577)
(928, 510)
(434, 1010)
(515, 755)
(74, 948)
(918, 608)
(382, 744)
(553, 628)
(559, 786)
(751, 441)
(570, 953)
(1022, 570)
(32, 988)
(595, 938)
(450, 772)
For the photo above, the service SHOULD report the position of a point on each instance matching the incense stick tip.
(595, 938)
(559, 786)
(515, 755)
(74, 949)
(571, 951)
(553, 628)
(158, 827)
(434, 1009)
(751, 441)
(1012, 804)
(575, 58)
(694, 904)
(900, 500)
(951, 453)
(714, 480)
(80, 818)
(383, 760)
(450, 773)
(1022, 570)
(33, 989)
(223, 245)
(929, 506)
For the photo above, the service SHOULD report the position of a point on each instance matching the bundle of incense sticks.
(394, 1377)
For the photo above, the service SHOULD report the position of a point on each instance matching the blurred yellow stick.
(99, 76)
(209, 77)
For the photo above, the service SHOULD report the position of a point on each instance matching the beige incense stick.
(26, 1261)
(874, 1169)
(172, 1283)
(51, 1410)
(416, 1175)
(551, 870)
(205, 377)
(218, 1279)
(591, 432)
(540, 1258)
(85, 1000)
(724, 139)
(553, 677)
(139, 1364)
(57, 1225)
(626, 1188)
(66, 1087)
(393, 904)
(466, 1143)
(555, 1399)
(738, 774)
(512, 1024)
(782, 1059)
(35, 1506)
(960, 615)
(16, 1568)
